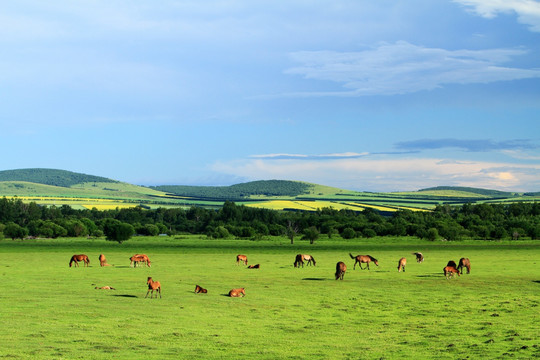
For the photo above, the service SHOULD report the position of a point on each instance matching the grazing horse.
(419, 257)
(76, 258)
(241, 292)
(200, 290)
(153, 285)
(257, 266)
(464, 262)
(300, 258)
(241, 258)
(401, 264)
(103, 261)
(340, 270)
(452, 263)
(105, 288)
(138, 258)
(363, 259)
(450, 271)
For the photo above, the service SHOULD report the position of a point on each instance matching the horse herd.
(450, 270)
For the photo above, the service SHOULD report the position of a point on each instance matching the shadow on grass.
(122, 266)
(315, 279)
(125, 295)
(430, 275)
(536, 281)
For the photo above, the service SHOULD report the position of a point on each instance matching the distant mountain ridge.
(486, 192)
(53, 177)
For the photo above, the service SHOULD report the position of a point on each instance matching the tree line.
(470, 221)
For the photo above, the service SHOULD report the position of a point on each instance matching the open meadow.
(52, 311)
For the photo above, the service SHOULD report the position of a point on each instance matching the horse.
(419, 257)
(452, 263)
(257, 266)
(105, 288)
(76, 258)
(241, 258)
(401, 264)
(153, 285)
(200, 290)
(300, 258)
(138, 258)
(464, 262)
(363, 259)
(103, 261)
(241, 292)
(340, 270)
(450, 271)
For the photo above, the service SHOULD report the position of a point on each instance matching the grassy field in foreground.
(51, 311)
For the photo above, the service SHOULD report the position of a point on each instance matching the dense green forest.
(50, 177)
(481, 221)
(239, 191)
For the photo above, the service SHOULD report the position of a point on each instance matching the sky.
(387, 95)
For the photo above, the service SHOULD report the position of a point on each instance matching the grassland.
(51, 311)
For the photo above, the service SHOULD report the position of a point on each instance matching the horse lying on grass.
(241, 292)
(200, 290)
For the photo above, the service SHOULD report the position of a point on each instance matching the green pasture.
(51, 311)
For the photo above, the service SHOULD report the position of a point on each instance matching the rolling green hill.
(59, 187)
(52, 177)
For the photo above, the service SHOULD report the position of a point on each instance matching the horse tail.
(352, 257)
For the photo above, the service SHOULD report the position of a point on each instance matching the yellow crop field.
(109, 206)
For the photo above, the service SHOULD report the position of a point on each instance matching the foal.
(401, 264)
(153, 285)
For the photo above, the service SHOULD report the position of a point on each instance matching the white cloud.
(382, 173)
(528, 11)
(402, 67)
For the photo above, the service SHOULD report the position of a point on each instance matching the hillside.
(485, 192)
(240, 191)
(81, 191)
(52, 177)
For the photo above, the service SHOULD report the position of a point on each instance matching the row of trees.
(483, 221)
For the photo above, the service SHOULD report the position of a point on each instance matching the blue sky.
(387, 95)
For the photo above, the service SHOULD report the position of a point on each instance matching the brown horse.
(450, 271)
(76, 258)
(103, 260)
(153, 285)
(105, 288)
(363, 259)
(452, 263)
(300, 258)
(419, 257)
(241, 258)
(340, 270)
(464, 262)
(241, 292)
(401, 264)
(200, 290)
(256, 266)
(140, 258)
